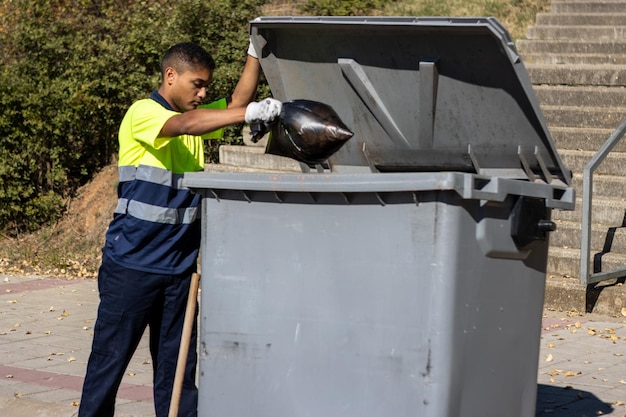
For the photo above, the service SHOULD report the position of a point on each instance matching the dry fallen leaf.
(624, 311)
(18, 395)
(549, 358)
(572, 373)
(551, 345)
(9, 376)
(75, 403)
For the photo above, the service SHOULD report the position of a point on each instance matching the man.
(153, 240)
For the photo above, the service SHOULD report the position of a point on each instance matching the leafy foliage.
(515, 15)
(70, 70)
(342, 7)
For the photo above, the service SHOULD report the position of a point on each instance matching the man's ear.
(170, 75)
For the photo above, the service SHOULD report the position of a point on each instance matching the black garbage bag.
(307, 131)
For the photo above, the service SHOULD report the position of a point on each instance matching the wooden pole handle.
(185, 340)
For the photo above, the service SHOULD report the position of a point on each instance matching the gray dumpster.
(404, 277)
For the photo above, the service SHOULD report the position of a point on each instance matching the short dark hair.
(186, 55)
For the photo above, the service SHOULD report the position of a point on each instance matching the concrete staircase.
(576, 59)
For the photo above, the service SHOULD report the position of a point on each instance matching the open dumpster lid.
(420, 94)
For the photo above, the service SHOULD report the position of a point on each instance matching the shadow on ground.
(568, 402)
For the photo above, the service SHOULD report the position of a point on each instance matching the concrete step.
(254, 157)
(573, 6)
(563, 46)
(584, 117)
(583, 139)
(566, 262)
(603, 237)
(578, 33)
(581, 19)
(581, 95)
(577, 160)
(604, 186)
(565, 293)
(574, 59)
(582, 74)
(563, 262)
(605, 211)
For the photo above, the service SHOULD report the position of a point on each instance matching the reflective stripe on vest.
(151, 174)
(150, 212)
(157, 214)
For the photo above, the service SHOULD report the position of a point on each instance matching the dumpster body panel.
(369, 303)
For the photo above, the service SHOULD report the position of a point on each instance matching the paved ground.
(46, 327)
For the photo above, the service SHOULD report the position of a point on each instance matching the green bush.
(71, 68)
(342, 7)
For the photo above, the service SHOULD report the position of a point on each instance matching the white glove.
(252, 51)
(265, 110)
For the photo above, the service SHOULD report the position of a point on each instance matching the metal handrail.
(586, 277)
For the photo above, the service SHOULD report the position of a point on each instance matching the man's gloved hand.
(265, 110)
(252, 51)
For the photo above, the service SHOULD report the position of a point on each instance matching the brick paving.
(46, 327)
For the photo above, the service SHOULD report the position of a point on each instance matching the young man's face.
(188, 88)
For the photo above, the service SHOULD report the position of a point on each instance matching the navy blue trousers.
(130, 301)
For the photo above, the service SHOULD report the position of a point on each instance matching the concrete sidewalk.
(46, 326)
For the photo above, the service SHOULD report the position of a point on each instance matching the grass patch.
(515, 15)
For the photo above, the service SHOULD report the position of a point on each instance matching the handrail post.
(586, 277)
(585, 244)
